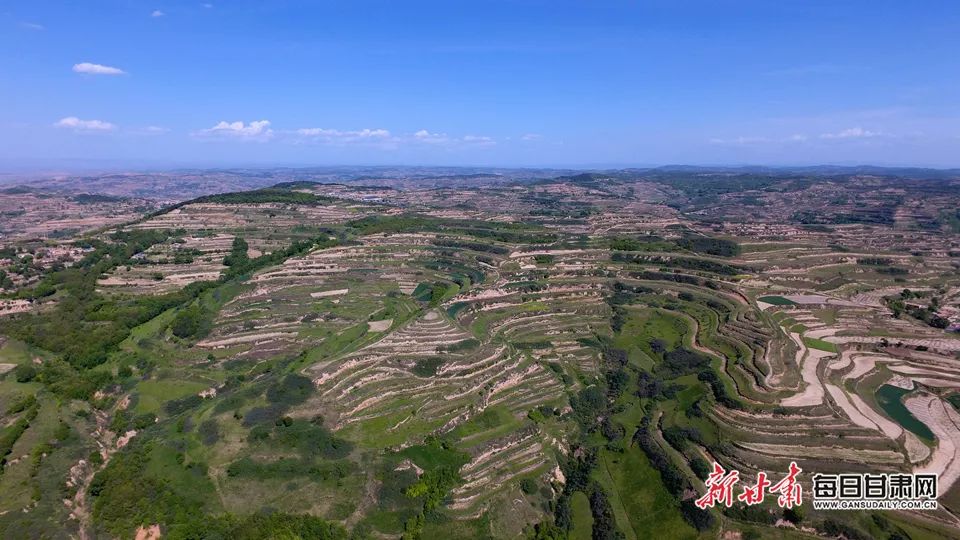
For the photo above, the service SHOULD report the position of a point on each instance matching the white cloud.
(371, 137)
(336, 133)
(739, 140)
(479, 139)
(157, 13)
(531, 137)
(254, 131)
(96, 69)
(378, 137)
(798, 137)
(78, 125)
(152, 130)
(32, 26)
(426, 136)
(852, 133)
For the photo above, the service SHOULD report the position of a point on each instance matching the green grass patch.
(777, 301)
(582, 518)
(643, 327)
(153, 394)
(641, 504)
(820, 345)
(490, 419)
(434, 455)
(826, 316)
(954, 399)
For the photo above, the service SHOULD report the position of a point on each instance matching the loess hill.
(549, 358)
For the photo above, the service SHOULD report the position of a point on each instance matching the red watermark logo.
(887, 491)
(720, 489)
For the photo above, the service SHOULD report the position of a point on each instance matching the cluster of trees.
(626, 294)
(427, 367)
(473, 246)
(460, 346)
(123, 421)
(671, 476)
(709, 245)
(699, 244)
(893, 271)
(310, 438)
(681, 361)
(175, 407)
(431, 293)
(379, 224)
(641, 243)
(238, 253)
(511, 233)
(240, 264)
(880, 215)
(650, 275)
(710, 377)
(578, 469)
(684, 263)
(258, 526)
(10, 434)
(433, 486)
(5, 281)
(125, 495)
(26, 266)
(899, 305)
(185, 255)
(257, 196)
(441, 463)
(85, 326)
(459, 273)
(681, 437)
(604, 524)
(93, 198)
(288, 468)
(588, 405)
(192, 322)
(875, 261)
(650, 386)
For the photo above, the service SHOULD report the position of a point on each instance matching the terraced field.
(558, 359)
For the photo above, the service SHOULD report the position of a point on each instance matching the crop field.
(561, 358)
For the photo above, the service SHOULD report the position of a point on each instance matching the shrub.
(460, 346)
(209, 432)
(427, 367)
(793, 515)
(22, 404)
(293, 389)
(702, 520)
(192, 322)
(528, 486)
(25, 373)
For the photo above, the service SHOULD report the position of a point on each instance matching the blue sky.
(483, 82)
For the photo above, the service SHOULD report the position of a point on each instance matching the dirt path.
(369, 500)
